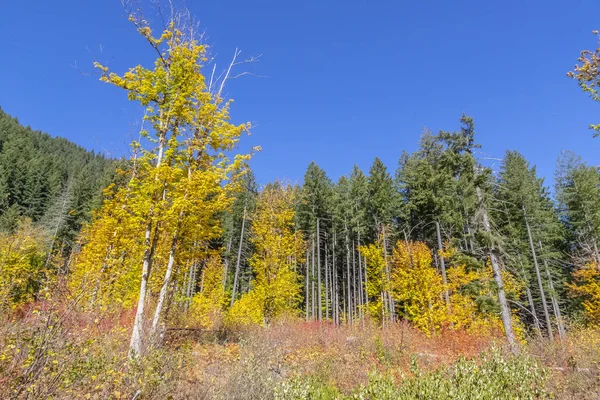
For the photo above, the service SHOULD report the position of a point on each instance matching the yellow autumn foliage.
(418, 287)
(248, 310)
(104, 271)
(166, 213)
(418, 290)
(377, 282)
(207, 306)
(276, 287)
(466, 313)
(586, 286)
(22, 265)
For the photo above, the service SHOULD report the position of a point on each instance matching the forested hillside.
(174, 275)
(49, 180)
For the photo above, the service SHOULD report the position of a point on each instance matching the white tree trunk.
(505, 312)
(239, 256)
(539, 278)
(165, 287)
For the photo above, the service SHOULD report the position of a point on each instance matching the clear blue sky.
(344, 81)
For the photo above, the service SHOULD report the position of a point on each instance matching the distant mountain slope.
(47, 178)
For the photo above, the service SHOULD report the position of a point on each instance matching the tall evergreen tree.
(314, 211)
(529, 228)
(382, 198)
(578, 194)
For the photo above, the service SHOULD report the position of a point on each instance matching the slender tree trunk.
(320, 311)
(348, 291)
(366, 284)
(388, 295)
(239, 257)
(596, 253)
(443, 266)
(556, 307)
(307, 297)
(336, 300)
(312, 282)
(383, 307)
(536, 322)
(470, 235)
(59, 222)
(166, 280)
(361, 288)
(505, 312)
(554, 299)
(363, 272)
(326, 287)
(410, 256)
(188, 290)
(539, 278)
(135, 345)
(557, 313)
(202, 279)
(194, 280)
(533, 312)
(344, 297)
(354, 283)
(332, 288)
(226, 261)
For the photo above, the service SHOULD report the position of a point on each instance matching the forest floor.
(61, 355)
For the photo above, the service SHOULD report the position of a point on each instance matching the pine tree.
(424, 187)
(314, 216)
(529, 226)
(341, 247)
(382, 198)
(578, 194)
(359, 194)
(34, 168)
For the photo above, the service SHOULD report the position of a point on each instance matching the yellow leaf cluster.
(276, 287)
(179, 182)
(418, 290)
(417, 286)
(22, 261)
(377, 282)
(586, 286)
(207, 305)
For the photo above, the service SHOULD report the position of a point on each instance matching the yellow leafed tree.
(472, 298)
(377, 282)
(418, 287)
(105, 270)
(207, 305)
(162, 220)
(22, 261)
(586, 286)
(276, 286)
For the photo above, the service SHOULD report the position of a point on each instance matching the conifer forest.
(171, 273)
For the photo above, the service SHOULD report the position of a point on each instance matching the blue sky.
(343, 81)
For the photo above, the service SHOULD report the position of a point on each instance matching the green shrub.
(305, 388)
(490, 377)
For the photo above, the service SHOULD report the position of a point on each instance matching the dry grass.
(574, 364)
(53, 352)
